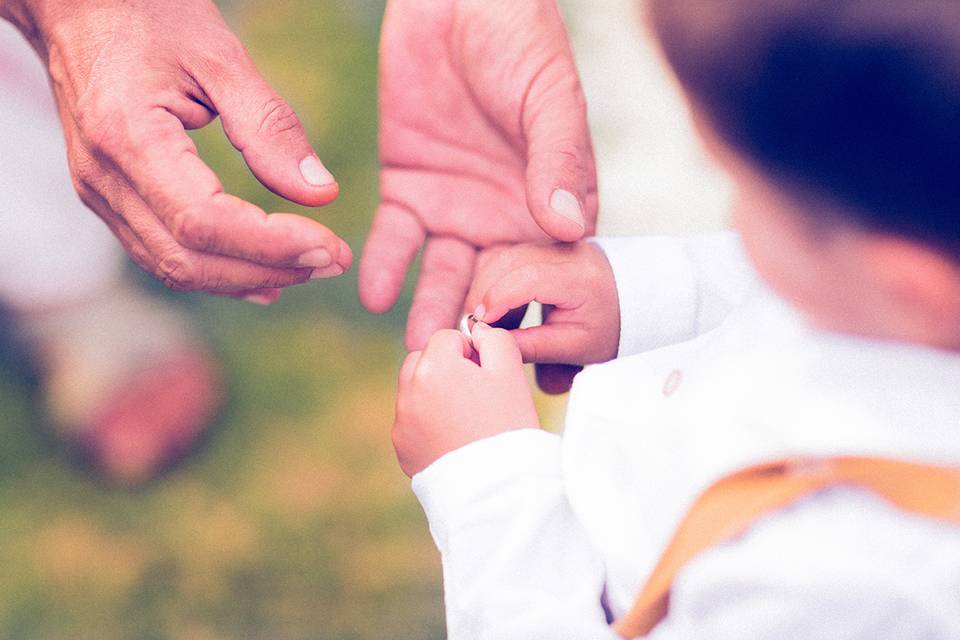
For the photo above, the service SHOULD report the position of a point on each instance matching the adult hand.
(484, 141)
(129, 77)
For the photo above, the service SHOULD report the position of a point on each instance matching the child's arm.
(674, 288)
(516, 563)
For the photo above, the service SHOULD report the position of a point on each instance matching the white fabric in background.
(53, 250)
(654, 175)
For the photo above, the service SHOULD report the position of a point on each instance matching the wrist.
(459, 439)
(604, 285)
(497, 465)
(656, 291)
(492, 459)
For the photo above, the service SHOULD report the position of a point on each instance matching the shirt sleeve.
(672, 289)
(842, 565)
(516, 563)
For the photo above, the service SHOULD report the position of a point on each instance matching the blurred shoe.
(125, 382)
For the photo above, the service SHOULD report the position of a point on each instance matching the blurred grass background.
(294, 520)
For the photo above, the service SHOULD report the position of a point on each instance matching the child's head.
(840, 122)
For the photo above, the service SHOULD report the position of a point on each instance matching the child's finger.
(494, 264)
(554, 379)
(553, 343)
(409, 366)
(496, 347)
(446, 345)
(528, 284)
(445, 273)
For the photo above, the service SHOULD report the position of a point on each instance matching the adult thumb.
(266, 130)
(561, 171)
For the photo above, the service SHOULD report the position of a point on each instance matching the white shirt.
(53, 250)
(538, 534)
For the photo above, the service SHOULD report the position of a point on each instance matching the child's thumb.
(496, 348)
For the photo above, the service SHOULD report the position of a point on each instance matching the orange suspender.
(733, 504)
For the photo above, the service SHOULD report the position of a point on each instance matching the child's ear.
(921, 285)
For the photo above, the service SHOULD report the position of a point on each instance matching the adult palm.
(484, 141)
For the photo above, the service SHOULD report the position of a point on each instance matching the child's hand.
(445, 400)
(574, 282)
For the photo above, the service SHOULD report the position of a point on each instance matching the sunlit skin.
(843, 278)
(130, 77)
(482, 121)
(581, 323)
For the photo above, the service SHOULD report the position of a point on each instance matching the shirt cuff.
(493, 466)
(656, 285)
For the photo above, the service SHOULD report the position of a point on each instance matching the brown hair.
(856, 102)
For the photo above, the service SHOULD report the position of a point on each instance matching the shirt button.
(672, 382)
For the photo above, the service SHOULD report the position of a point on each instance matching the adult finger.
(561, 173)
(184, 269)
(496, 347)
(395, 238)
(146, 259)
(161, 163)
(445, 273)
(263, 127)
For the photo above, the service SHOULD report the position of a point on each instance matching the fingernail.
(566, 204)
(479, 312)
(262, 299)
(331, 271)
(315, 258)
(314, 172)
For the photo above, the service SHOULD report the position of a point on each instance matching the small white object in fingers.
(466, 323)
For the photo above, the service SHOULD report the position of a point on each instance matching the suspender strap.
(733, 504)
